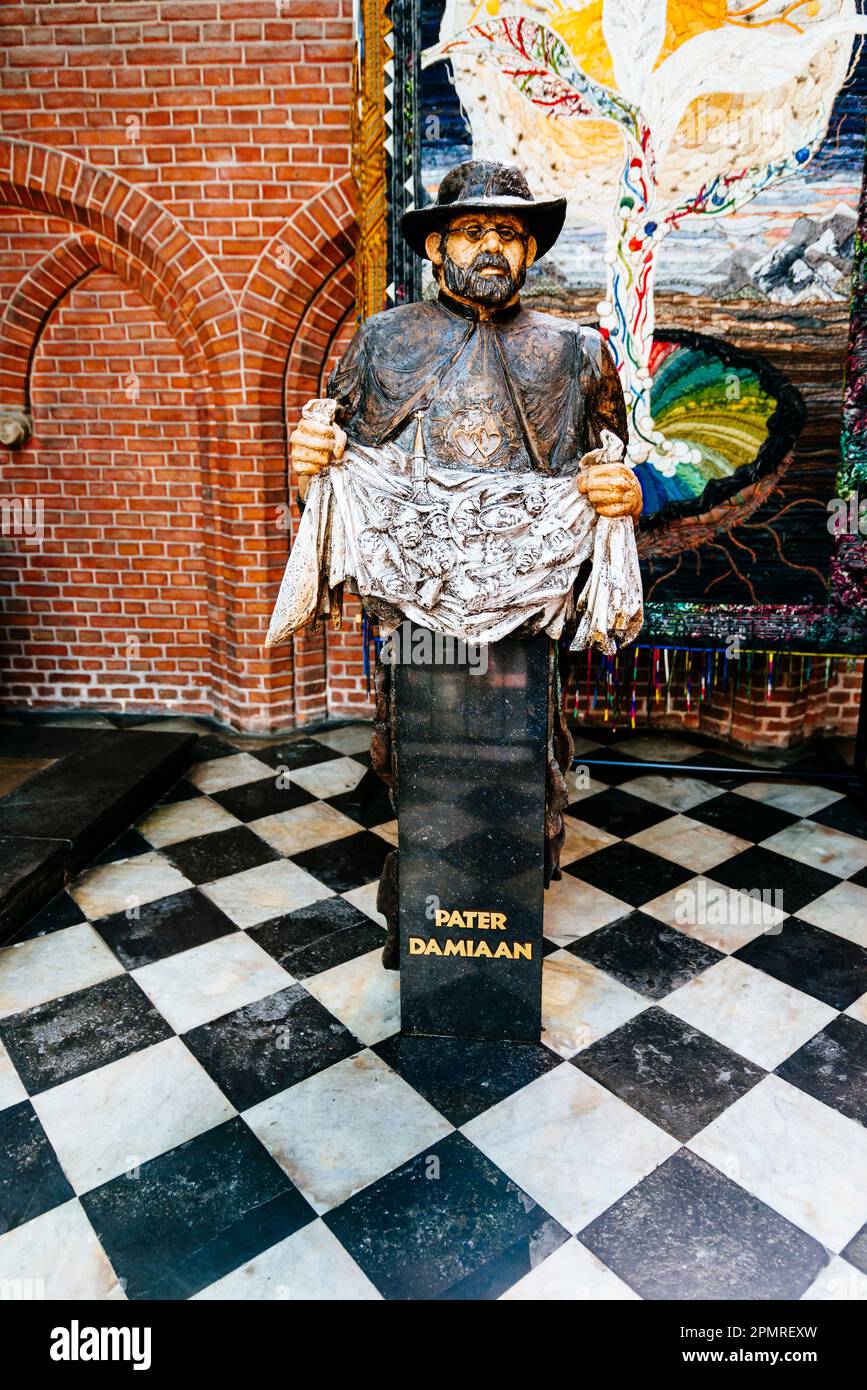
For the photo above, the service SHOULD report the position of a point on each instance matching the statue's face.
(483, 257)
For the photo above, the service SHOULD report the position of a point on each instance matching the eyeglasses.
(475, 231)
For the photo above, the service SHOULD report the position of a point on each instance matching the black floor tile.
(674, 1075)
(618, 812)
(294, 753)
(627, 872)
(645, 954)
(254, 800)
(346, 863)
(31, 1179)
(62, 911)
(220, 854)
(856, 1251)
(845, 815)
(810, 959)
(461, 1078)
(368, 803)
(126, 846)
(469, 1233)
(832, 1066)
(726, 765)
(764, 869)
(319, 936)
(741, 815)
(270, 1045)
(79, 1032)
(195, 1213)
(163, 927)
(210, 746)
(687, 1232)
(613, 774)
(181, 791)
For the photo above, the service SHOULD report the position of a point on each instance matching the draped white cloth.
(473, 555)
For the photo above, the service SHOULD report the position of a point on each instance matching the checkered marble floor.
(204, 1093)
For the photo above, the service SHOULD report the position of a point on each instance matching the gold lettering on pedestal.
(470, 920)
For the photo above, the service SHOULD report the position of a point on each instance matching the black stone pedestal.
(471, 759)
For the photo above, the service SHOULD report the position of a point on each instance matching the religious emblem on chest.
(476, 433)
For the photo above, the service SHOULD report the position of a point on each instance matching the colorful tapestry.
(712, 154)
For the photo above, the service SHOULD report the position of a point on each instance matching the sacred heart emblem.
(477, 433)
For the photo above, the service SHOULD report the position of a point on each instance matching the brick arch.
(35, 298)
(301, 282)
(34, 178)
(128, 232)
(306, 369)
(317, 241)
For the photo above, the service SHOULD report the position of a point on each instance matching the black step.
(61, 819)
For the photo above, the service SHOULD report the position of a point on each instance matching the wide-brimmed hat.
(482, 185)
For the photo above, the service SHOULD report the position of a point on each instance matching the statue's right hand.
(314, 445)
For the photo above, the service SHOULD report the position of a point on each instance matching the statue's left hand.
(611, 488)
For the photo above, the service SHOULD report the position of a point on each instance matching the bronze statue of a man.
(501, 386)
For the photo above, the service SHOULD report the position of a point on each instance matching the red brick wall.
(112, 605)
(198, 152)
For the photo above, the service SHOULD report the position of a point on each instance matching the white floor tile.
(364, 898)
(387, 831)
(341, 1129)
(798, 798)
(353, 738)
(659, 748)
(581, 1004)
(821, 847)
(581, 783)
(269, 890)
(112, 1120)
(219, 774)
(362, 995)
(714, 914)
(49, 966)
(57, 1257)
(309, 1266)
(208, 981)
(573, 909)
(842, 910)
(582, 839)
(11, 1088)
(791, 1151)
(675, 793)
(126, 884)
(838, 1282)
(182, 820)
(688, 842)
(859, 1009)
(544, 1135)
(571, 1274)
(331, 778)
(752, 1013)
(304, 827)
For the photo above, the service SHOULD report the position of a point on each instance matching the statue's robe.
(521, 391)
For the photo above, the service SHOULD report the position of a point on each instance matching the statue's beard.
(483, 289)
